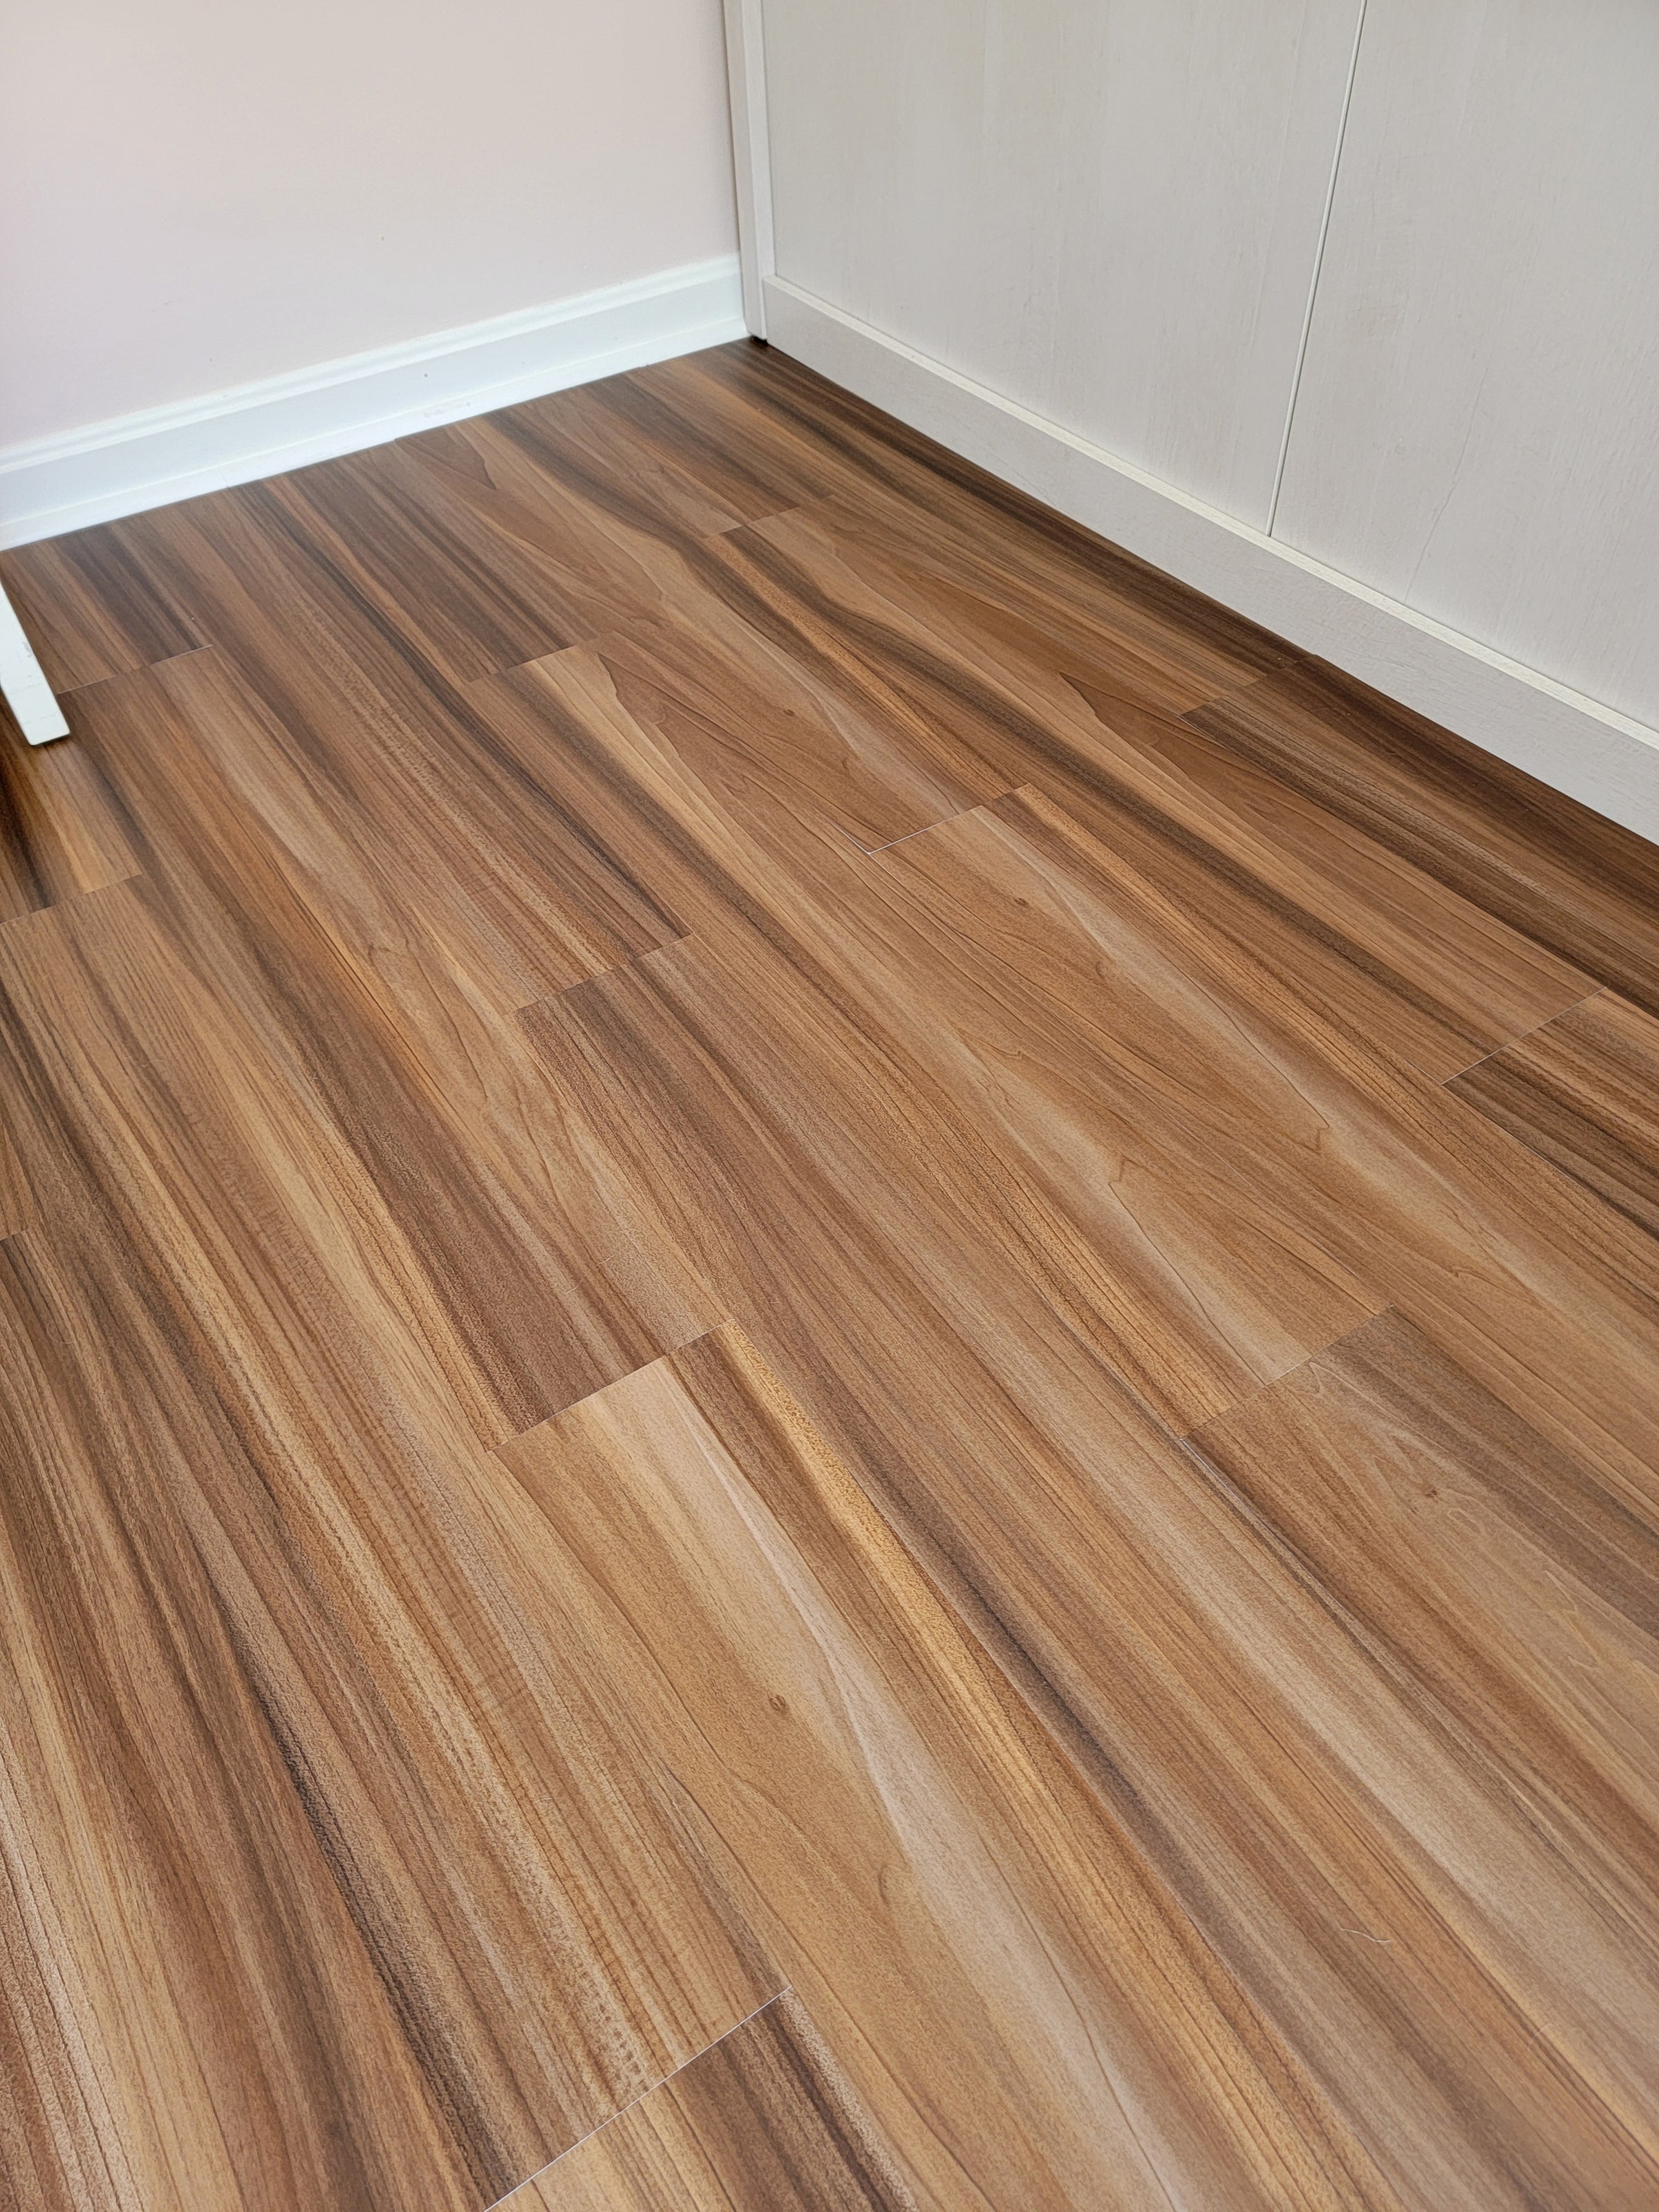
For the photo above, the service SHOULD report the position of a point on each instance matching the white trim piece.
(1564, 738)
(167, 453)
(751, 153)
(23, 683)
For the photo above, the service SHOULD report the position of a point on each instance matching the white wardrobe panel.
(1477, 428)
(1107, 210)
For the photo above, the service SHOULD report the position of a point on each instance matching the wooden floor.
(832, 1367)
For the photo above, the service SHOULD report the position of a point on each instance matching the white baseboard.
(1564, 738)
(167, 453)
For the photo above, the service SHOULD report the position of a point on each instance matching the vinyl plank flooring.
(786, 725)
(529, 1279)
(470, 600)
(61, 832)
(1585, 887)
(1020, 2004)
(193, 2015)
(91, 607)
(626, 443)
(16, 1198)
(226, 1317)
(759, 2123)
(1271, 1772)
(1549, 1296)
(1516, 1594)
(737, 1046)
(975, 525)
(767, 1228)
(1584, 1091)
(528, 899)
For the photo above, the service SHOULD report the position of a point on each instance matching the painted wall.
(199, 193)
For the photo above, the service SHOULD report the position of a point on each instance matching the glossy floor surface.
(832, 1367)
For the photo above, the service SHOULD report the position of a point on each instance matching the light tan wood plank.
(1023, 2007)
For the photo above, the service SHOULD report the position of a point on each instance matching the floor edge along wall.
(104, 470)
(1564, 738)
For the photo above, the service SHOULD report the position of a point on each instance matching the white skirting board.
(1566, 740)
(167, 453)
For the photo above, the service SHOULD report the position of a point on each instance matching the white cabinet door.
(1107, 210)
(1477, 428)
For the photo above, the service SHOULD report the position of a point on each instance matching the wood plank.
(92, 607)
(1585, 887)
(1025, 2011)
(193, 2015)
(61, 831)
(1029, 694)
(230, 1325)
(760, 2124)
(530, 1277)
(1515, 1598)
(1303, 1803)
(474, 1037)
(624, 441)
(380, 519)
(529, 900)
(739, 1085)
(1550, 1297)
(1583, 1090)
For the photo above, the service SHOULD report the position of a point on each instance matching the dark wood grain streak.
(760, 1226)
(1583, 1090)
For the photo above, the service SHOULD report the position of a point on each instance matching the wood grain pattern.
(221, 1304)
(1073, 1541)
(1583, 1090)
(534, 1286)
(759, 2123)
(92, 608)
(975, 1938)
(1585, 887)
(61, 832)
(761, 1225)
(1366, 933)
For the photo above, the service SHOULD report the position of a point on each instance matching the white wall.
(1107, 210)
(202, 193)
(1477, 427)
